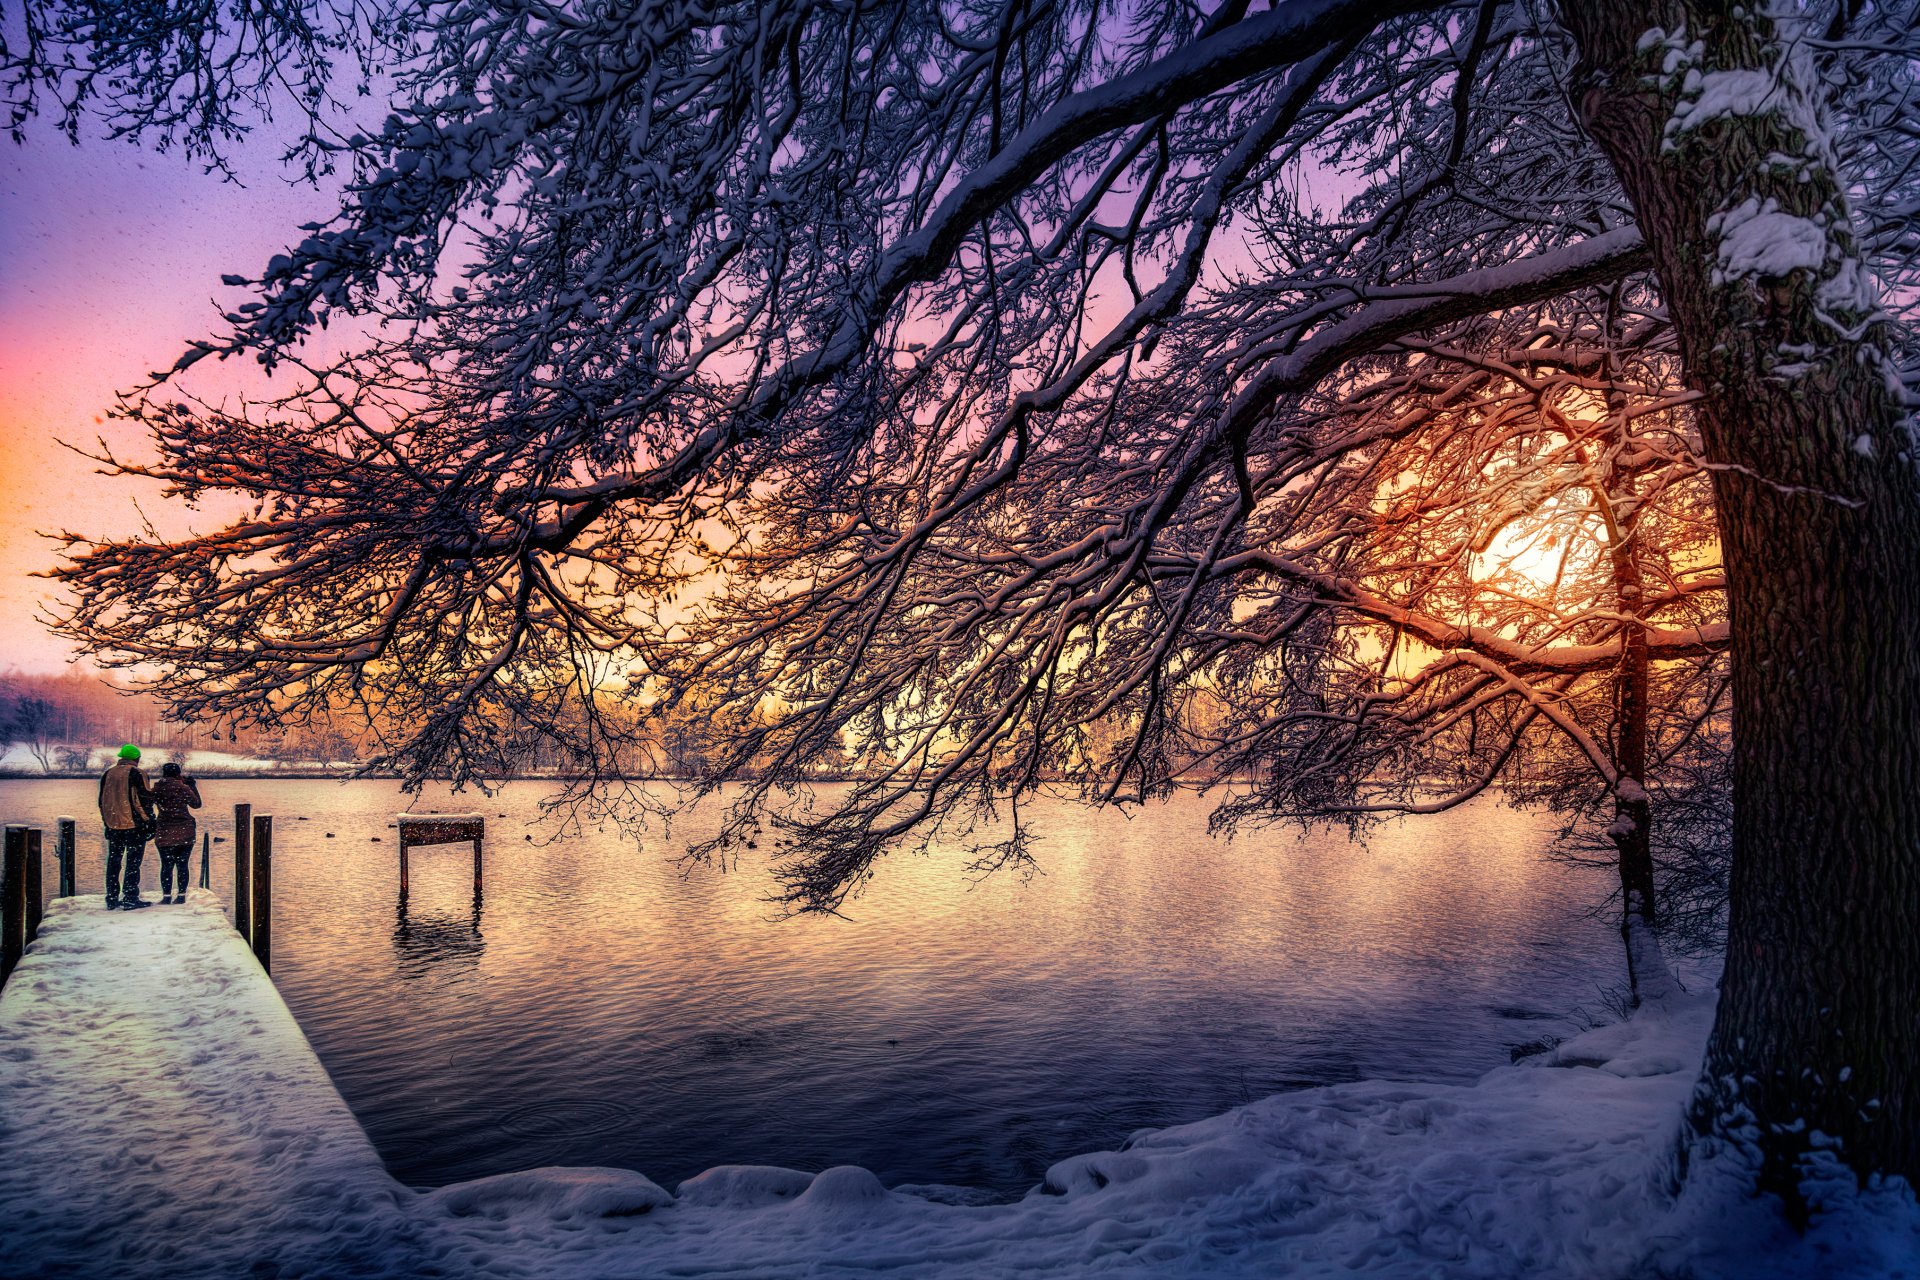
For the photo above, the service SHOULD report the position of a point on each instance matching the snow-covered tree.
(1716, 117)
(959, 382)
(30, 721)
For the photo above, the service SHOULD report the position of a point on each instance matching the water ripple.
(557, 1119)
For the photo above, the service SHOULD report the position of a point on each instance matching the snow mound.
(555, 1193)
(742, 1186)
(1626, 1049)
(842, 1189)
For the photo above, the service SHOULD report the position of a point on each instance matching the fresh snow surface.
(161, 1114)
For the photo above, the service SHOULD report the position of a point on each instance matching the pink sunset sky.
(110, 260)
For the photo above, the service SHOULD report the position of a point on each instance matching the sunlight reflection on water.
(598, 1007)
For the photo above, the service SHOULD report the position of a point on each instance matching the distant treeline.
(59, 724)
(60, 719)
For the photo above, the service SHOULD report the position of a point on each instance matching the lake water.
(600, 1007)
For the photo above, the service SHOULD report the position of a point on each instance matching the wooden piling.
(64, 853)
(263, 891)
(34, 888)
(13, 901)
(206, 859)
(428, 829)
(242, 870)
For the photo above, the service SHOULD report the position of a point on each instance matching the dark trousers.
(125, 849)
(173, 863)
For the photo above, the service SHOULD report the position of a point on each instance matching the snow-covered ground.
(161, 1114)
(17, 758)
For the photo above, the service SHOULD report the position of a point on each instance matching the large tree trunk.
(1715, 130)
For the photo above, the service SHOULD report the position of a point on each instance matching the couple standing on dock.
(133, 812)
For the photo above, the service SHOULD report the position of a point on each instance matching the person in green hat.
(126, 810)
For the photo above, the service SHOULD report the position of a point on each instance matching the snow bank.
(551, 1194)
(163, 1115)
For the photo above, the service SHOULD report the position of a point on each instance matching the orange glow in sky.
(110, 260)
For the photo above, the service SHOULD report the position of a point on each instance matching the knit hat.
(129, 752)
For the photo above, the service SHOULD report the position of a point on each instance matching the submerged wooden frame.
(440, 828)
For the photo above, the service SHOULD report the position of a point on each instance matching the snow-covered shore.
(17, 761)
(164, 1116)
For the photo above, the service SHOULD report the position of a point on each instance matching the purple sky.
(110, 259)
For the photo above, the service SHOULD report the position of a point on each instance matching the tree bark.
(1713, 124)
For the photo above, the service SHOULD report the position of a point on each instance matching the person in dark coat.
(126, 810)
(175, 797)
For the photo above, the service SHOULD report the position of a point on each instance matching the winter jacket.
(174, 797)
(126, 803)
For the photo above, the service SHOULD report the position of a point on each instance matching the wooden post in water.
(242, 869)
(13, 901)
(433, 828)
(34, 889)
(263, 891)
(206, 859)
(63, 852)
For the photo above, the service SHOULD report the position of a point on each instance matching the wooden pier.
(166, 1116)
(22, 896)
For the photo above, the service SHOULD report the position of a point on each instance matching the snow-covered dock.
(161, 1114)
